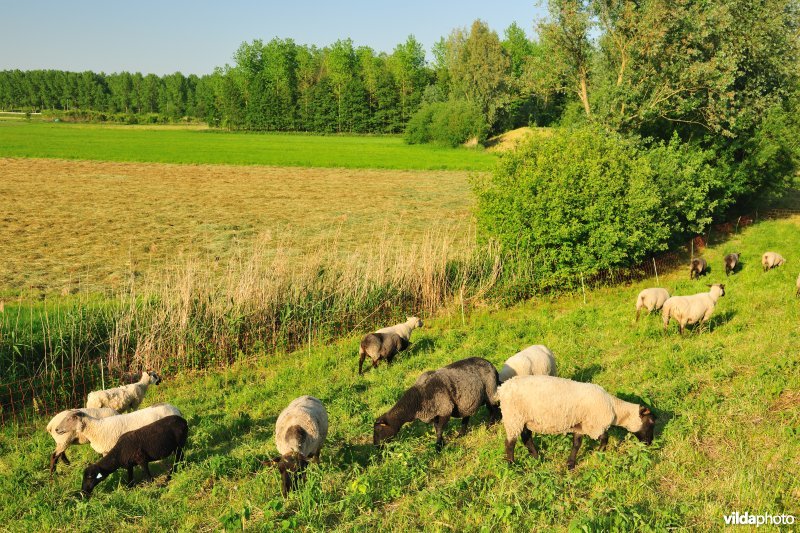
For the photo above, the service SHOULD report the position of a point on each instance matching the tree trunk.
(584, 94)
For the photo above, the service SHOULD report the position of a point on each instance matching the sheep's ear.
(644, 411)
(721, 285)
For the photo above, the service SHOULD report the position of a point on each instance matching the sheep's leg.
(130, 476)
(146, 469)
(361, 363)
(64, 459)
(603, 441)
(510, 444)
(463, 430)
(638, 309)
(494, 413)
(577, 439)
(53, 460)
(440, 422)
(527, 440)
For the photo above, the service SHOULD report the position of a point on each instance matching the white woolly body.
(691, 309)
(403, 330)
(652, 299)
(120, 398)
(64, 440)
(103, 433)
(308, 413)
(772, 260)
(536, 360)
(552, 405)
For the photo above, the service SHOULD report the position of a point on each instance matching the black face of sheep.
(91, 477)
(648, 426)
(382, 431)
(155, 379)
(292, 467)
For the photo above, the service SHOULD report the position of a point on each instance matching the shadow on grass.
(586, 374)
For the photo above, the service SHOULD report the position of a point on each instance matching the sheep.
(382, 344)
(532, 361)
(152, 442)
(457, 390)
(651, 299)
(63, 441)
(300, 432)
(103, 433)
(697, 267)
(124, 397)
(731, 262)
(552, 405)
(771, 260)
(691, 309)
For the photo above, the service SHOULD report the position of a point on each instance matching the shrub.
(449, 123)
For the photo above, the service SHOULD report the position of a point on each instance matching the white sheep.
(124, 397)
(403, 329)
(692, 309)
(63, 441)
(771, 260)
(300, 432)
(536, 360)
(552, 405)
(651, 299)
(103, 433)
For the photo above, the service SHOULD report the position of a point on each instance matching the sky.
(193, 37)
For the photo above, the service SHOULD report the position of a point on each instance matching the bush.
(448, 123)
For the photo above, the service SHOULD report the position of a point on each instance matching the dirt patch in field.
(78, 225)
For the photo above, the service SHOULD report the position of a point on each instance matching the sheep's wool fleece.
(772, 259)
(552, 405)
(652, 298)
(403, 330)
(119, 398)
(67, 438)
(691, 309)
(455, 392)
(534, 360)
(308, 413)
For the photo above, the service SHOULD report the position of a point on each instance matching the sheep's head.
(416, 322)
(91, 477)
(292, 467)
(648, 419)
(383, 431)
(152, 377)
(720, 287)
(75, 421)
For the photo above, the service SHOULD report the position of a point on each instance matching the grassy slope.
(169, 145)
(728, 434)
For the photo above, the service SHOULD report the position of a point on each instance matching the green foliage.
(449, 123)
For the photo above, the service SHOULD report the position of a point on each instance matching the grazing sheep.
(457, 390)
(651, 299)
(532, 361)
(124, 397)
(731, 260)
(688, 310)
(103, 433)
(552, 405)
(63, 441)
(771, 260)
(152, 442)
(380, 346)
(383, 345)
(697, 268)
(300, 432)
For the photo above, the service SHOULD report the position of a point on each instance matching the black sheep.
(138, 447)
(697, 268)
(731, 260)
(380, 346)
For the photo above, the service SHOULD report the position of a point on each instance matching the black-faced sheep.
(536, 360)
(457, 390)
(124, 397)
(697, 268)
(64, 440)
(687, 310)
(651, 299)
(300, 432)
(771, 260)
(383, 344)
(731, 261)
(551, 405)
(152, 442)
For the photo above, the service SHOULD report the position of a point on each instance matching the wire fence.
(26, 400)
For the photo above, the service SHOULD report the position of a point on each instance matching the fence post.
(655, 268)
(102, 375)
(583, 287)
(691, 257)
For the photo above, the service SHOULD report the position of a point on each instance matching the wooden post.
(655, 268)
(583, 287)
(102, 375)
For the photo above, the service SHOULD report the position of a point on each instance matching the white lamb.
(124, 397)
(300, 432)
(536, 360)
(771, 260)
(651, 299)
(687, 310)
(103, 433)
(552, 405)
(63, 441)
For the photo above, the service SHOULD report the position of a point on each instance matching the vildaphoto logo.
(746, 519)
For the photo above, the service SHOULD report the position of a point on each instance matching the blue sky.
(195, 36)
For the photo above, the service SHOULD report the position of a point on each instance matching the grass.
(727, 439)
(186, 145)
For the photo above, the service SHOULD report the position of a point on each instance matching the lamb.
(651, 299)
(532, 361)
(63, 441)
(103, 433)
(771, 260)
(697, 268)
(152, 442)
(552, 405)
(383, 344)
(457, 390)
(125, 397)
(731, 262)
(691, 309)
(300, 432)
